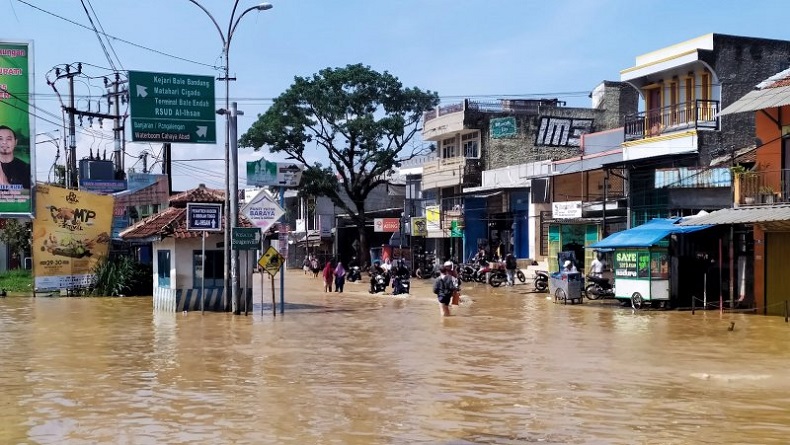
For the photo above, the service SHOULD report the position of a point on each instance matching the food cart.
(641, 261)
(566, 286)
(642, 276)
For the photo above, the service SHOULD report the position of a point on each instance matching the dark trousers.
(339, 282)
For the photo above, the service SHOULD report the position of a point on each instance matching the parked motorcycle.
(354, 274)
(498, 277)
(598, 287)
(468, 273)
(427, 268)
(541, 282)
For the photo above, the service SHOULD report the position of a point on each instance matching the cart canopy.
(646, 235)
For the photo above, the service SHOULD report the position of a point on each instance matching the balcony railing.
(687, 115)
(441, 111)
(473, 173)
(762, 187)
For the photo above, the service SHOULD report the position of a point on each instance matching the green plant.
(766, 190)
(121, 276)
(18, 280)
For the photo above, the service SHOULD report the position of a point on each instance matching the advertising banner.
(16, 127)
(386, 224)
(283, 174)
(419, 226)
(71, 232)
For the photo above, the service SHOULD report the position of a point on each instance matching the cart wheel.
(559, 294)
(636, 300)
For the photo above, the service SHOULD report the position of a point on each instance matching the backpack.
(510, 263)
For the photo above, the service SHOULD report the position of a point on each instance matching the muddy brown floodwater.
(509, 367)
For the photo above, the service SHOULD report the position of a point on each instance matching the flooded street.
(509, 367)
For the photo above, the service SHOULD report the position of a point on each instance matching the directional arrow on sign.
(142, 91)
(201, 130)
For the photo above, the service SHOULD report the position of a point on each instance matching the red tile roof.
(173, 221)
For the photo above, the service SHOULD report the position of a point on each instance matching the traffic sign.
(172, 108)
(204, 216)
(455, 230)
(262, 211)
(246, 238)
(271, 261)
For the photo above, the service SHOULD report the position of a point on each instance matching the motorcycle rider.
(376, 270)
(597, 266)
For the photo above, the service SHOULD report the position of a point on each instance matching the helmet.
(567, 264)
(448, 264)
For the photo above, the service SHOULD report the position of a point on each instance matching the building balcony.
(699, 114)
(762, 187)
(443, 172)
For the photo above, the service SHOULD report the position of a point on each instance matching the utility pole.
(144, 157)
(115, 96)
(167, 166)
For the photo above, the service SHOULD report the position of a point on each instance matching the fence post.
(786, 314)
(693, 304)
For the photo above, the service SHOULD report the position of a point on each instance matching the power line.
(161, 53)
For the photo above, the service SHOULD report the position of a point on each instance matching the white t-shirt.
(596, 267)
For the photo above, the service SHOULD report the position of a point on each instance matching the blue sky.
(459, 48)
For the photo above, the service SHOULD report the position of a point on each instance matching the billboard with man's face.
(16, 127)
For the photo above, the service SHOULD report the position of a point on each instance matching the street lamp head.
(264, 6)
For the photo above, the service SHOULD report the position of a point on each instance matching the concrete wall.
(740, 63)
(534, 141)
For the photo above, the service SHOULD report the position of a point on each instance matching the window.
(471, 144)
(449, 148)
(215, 269)
(163, 267)
(689, 99)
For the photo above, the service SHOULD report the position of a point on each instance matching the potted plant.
(767, 193)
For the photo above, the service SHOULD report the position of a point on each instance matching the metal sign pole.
(282, 267)
(246, 278)
(203, 275)
(274, 302)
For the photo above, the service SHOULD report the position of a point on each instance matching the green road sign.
(246, 238)
(172, 108)
(455, 230)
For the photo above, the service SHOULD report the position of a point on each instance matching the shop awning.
(646, 235)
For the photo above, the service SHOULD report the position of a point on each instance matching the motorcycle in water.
(468, 273)
(354, 274)
(379, 283)
(427, 269)
(400, 284)
(541, 282)
(598, 288)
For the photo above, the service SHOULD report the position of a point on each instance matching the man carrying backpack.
(444, 287)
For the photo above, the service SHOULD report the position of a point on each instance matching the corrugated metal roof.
(770, 93)
(742, 215)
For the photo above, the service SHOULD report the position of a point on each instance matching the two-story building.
(506, 138)
(679, 131)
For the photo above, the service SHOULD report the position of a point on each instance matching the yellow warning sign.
(271, 261)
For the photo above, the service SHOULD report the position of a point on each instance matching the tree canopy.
(364, 120)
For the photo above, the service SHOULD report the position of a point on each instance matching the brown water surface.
(509, 367)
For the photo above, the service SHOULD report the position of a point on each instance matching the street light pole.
(231, 156)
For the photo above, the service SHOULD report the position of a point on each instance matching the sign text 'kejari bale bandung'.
(71, 232)
(16, 127)
(172, 108)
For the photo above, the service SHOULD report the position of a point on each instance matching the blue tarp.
(646, 235)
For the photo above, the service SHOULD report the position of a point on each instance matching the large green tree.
(365, 122)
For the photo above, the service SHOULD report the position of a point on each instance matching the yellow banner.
(419, 226)
(71, 232)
